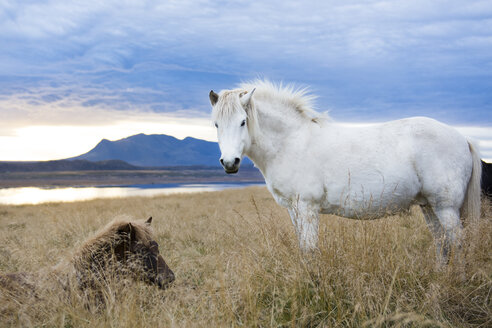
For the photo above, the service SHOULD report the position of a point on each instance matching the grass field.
(237, 263)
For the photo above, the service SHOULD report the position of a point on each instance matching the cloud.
(54, 131)
(322, 44)
(329, 33)
(46, 107)
(482, 137)
(367, 61)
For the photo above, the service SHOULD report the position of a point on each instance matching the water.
(35, 195)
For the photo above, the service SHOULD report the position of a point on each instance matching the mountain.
(155, 150)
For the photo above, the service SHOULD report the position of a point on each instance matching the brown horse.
(126, 246)
(123, 249)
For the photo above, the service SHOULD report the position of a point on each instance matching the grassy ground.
(237, 263)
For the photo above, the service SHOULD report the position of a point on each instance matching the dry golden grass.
(237, 263)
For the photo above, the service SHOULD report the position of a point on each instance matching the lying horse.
(123, 249)
(128, 247)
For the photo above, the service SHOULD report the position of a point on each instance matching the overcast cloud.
(367, 61)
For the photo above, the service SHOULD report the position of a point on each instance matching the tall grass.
(237, 263)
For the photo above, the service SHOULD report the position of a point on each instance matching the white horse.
(312, 164)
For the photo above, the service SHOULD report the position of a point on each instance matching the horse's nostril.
(236, 161)
(222, 161)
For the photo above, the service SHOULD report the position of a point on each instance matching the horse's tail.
(471, 205)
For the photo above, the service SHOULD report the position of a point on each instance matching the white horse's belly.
(362, 199)
(371, 200)
(365, 208)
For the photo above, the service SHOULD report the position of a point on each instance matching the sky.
(75, 72)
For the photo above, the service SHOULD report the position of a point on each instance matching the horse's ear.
(213, 97)
(245, 97)
(149, 221)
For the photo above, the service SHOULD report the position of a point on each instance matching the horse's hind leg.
(436, 230)
(445, 226)
(451, 224)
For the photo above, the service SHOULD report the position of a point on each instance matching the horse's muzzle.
(163, 281)
(231, 167)
(231, 171)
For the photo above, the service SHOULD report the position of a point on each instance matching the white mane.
(293, 100)
(292, 97)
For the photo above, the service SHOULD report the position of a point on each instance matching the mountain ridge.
(156, 150)
(137, 152)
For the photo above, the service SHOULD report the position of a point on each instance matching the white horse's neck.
(273, 131)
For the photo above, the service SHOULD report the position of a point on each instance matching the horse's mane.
(295, 98)
(109, 235)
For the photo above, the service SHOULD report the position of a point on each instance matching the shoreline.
(37, 195)
(114, 178)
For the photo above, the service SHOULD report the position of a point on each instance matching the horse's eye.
(216, 125)
(243, 122)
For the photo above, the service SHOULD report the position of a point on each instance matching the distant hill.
(156, 150)
(137, 152)
(65, 165)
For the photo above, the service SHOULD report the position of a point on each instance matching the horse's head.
(141, 254)
(232, 111)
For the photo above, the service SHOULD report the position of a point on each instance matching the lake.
(35, 195)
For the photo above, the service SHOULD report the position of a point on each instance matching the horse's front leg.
(305, 219)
